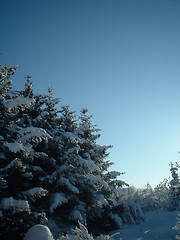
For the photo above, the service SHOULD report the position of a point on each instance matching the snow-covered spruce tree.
(96, 184)
(5, 97)
(82, 186)
(51, 165)
(6, 118)
(65, 209)
(174, 186)
(73, 192)
(36, 115)
(51, 109)
(19, 186)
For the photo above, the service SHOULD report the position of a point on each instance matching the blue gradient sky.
(120, 59)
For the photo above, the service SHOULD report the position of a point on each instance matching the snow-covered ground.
(157, 226)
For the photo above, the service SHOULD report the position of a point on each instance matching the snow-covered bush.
(130, 207)
(132, 213)
(161, 195)
(136, 201)
(81, 233)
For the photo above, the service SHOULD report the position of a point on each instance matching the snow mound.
(39, 232)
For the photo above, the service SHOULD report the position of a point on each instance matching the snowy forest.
(54, 173)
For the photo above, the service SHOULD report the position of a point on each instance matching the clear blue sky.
(119, 58)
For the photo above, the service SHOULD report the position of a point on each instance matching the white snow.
(71, 137)
(114, 174)
(33, 133)
(39, 232)
(64, 181)
(42, 115)
(17, 147)
(97, 180)
(157, 226)
(89, 164)
(37, 168)
(15, 205)
(28, 175)
(14, 163)
(58, 200)
(2, 155)
(76, 215)
(40, 154)
(117, 219)
(1, 138)
(18, 102)
(101, 200)
(37, 191)
(74, 150)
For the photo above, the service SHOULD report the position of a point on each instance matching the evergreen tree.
(64, 205)
(28, 92)
(5, 96)
(18, 189)
(51, 109)
(96, 184)
(174, 185)
(52, 168)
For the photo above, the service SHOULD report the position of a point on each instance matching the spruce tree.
(52, 168)
(19, 191)
(96, 184)
(64, 180)
(174, 185)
